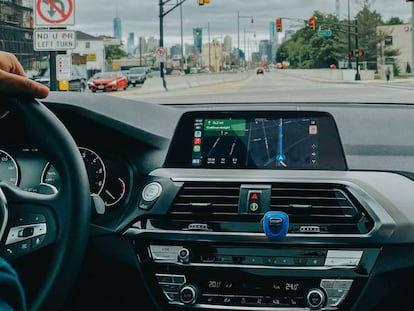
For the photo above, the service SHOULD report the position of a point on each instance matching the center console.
(200, 233)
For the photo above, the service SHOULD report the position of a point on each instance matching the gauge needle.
(110, 194)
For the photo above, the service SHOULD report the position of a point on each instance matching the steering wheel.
(60, 220)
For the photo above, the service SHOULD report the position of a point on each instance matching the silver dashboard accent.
(343, 258)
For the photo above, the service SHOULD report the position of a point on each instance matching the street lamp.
(244, 42)
(238, 31)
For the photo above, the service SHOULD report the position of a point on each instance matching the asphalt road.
(277, 86)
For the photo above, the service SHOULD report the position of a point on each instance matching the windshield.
(105, 75)
(233, 51)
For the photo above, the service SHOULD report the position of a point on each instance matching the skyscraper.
(198, 39)
(117, 28)
(227, 44)
(272, 31)
(131, 43)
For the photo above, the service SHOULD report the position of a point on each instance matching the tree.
(114, 52)
(394, 21)
(307, 50)
(369, 38)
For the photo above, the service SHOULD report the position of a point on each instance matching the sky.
(141, 16)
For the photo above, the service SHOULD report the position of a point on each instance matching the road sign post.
(52, 14)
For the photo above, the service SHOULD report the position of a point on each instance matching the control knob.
(188, 294)
(316, 298)
(183, 255)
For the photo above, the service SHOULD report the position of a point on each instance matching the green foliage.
(394, 21)
(114, 52)
(307, 50)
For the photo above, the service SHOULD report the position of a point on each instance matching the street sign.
(325, 33)
(161, 54)
(54, 12)
(63, 67)
(54, 40)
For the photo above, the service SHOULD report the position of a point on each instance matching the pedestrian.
(388, 74)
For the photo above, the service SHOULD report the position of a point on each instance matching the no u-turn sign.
(54, 12)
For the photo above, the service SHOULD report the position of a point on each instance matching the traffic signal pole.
(162, 14)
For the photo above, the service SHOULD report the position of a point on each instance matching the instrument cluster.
(28, 169)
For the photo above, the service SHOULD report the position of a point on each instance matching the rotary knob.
(315, 298)
(188, 294)
(183, 255)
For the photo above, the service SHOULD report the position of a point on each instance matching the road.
(277, 86)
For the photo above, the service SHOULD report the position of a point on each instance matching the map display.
(256, 143)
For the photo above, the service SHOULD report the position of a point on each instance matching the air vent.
(313, 208)
(320, 208)
(207, 198)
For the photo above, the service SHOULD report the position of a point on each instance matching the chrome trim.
(219, 265)
(248, 308)
(13, 236)
(4, 213)
(136, 231)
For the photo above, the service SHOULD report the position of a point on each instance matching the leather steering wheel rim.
(71, 206)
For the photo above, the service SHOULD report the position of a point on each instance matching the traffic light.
(351, 53)
(312, 23)
(202, 2)
(279, 26)
(361, 53)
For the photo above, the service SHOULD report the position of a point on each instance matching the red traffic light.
(351, 53)
(312, 23)
(361, 53)
(279, 26)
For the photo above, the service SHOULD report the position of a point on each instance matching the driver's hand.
(13, 80)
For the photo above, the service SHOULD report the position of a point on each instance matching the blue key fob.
(275, 225)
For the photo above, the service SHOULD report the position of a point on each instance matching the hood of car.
(102, 81)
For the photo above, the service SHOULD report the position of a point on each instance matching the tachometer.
(95, 168)
(9, 171)
(114, 191)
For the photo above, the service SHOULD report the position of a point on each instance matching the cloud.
(141, 17)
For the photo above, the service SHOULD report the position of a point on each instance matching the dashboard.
(283, 207)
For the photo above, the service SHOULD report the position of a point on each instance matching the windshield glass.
(232, 51)
(106, 75)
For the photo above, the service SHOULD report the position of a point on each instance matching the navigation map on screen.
(256, 143)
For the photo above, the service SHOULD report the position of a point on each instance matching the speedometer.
(95, 168)
(9, 170)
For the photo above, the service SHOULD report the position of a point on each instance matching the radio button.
(170, 287)
(173, 297)
(179, 279)
(164, 278)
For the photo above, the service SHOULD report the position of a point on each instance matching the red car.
(108, 81)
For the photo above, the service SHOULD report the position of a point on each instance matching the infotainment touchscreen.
(256, 142)
(263, 140)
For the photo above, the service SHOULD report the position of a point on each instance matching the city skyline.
(142, 18)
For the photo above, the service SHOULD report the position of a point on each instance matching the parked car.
(137, 75)
(77, 81)
(109, 81)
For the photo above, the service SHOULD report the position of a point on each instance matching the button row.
(170, 285)
(252, 301)
(268, 261)
(336, 290)
(24, 247)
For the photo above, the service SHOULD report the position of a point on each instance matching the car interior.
(271, 206)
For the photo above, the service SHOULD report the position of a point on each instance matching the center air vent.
(313, 208)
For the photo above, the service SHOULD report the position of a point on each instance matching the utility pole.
(349, 36)
(209, 46)
(357, 75)
(412, 39)
(182, 40)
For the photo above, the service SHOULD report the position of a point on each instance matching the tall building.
(272, 31)
(142, 45)
(152, 44)
(198, 39)
(16, 32)
(118, 28)
(227, 44)
(131, 43)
